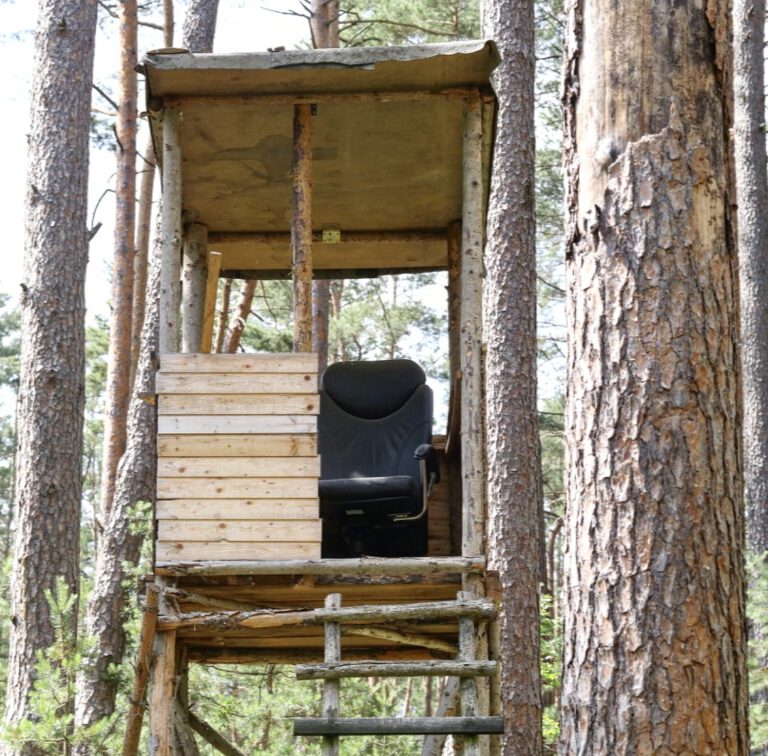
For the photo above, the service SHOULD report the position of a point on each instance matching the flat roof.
(387, 149)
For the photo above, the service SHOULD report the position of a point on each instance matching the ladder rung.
(398, 726)
(339, 670)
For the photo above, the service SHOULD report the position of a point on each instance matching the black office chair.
(377, 463)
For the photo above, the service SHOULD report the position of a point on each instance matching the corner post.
(170, 266)
(301, 227)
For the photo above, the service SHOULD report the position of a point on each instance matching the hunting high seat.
(377, 462)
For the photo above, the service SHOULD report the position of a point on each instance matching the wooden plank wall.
(237, 457)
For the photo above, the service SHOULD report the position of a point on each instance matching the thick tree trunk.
(120, 332)
(51, 391)
(199, 26)
(120, 544)
(509, 329)
(654, 658)
(752, 197)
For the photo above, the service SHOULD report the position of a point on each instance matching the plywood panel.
(237, 445)
(205, 550)
(238, 404)
(239, 363)
(237, 509)
(238, 467)
(236, 488)
(235, 383)
(239, 531)
(236, 424)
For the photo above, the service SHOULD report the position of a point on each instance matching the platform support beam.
(301, 228)
(162, 695)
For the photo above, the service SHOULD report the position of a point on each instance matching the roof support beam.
(301, 228)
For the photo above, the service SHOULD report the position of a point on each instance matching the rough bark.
(654, 658)
(50, 419)
(221, 330)
(120, 330)
(199, 26)
(243, 311)
(140, 261)
(752, 199)
(120, 544)
(509, 329)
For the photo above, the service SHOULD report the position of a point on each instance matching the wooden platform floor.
(226, 642)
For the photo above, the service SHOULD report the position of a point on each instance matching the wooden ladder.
(466, 667)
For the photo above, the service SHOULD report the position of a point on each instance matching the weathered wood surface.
(216, 739)
(143, 660)
(167, 551)
(209, 308)
(240, 363)
(197, 424)
(237, 445)
(360, 566)
(232, 382)
(236, 509)
(331, 687)
(237, 488)
(194, 280)
(238, 467)
(238, 404)
(240, 531)
(405, 638)
(472, 419)
(398, 726)
(162, 694)
(467, 669)
(301, 227)
(170, 268)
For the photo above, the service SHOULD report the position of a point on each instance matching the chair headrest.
(375, 389)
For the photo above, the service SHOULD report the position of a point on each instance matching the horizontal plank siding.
(239, 363)
(237, 471)
(237, 509)
(238, 404)
(237, 445)
(236, 488)
(234, 383)
(239, 531)
(167, 551)
(238, 467)
(237, 424)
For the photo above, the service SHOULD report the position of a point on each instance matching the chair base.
(345, 537)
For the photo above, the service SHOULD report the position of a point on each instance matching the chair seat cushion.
(384, 496)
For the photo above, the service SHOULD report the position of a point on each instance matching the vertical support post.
(472, 420)
(468, 685)
(170, 265)
(194, 279)
(301, 228)
(209, 310)
(472, 381)
(332, 688)
(161, 698)
(454, 367)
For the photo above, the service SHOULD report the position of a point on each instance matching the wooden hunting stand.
(325, 163)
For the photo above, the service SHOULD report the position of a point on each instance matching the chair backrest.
(373, 415)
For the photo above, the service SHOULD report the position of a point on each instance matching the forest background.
(250, 706)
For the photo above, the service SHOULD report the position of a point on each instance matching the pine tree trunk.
(120, 544)
(654, 658)
(119, 358)
(51, 390)
(199, 26)
(509, 328)
(752, 197)
(243, 311)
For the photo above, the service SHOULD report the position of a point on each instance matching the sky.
(242, 26)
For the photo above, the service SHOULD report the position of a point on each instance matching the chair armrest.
(428, 453)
